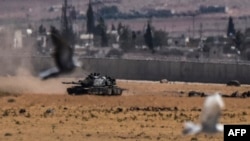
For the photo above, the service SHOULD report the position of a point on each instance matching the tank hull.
(109, 91)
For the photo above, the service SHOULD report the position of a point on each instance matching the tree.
(133, 35)
(101, 31)
(148, 38)
(90, 20)
(230, 28)
(73, 13)
(113, 27)
(238, 40)
(42, 29)
(160, 38)
(104, 38)
(119, 28)
(125, 39)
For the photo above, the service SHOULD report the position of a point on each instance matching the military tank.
(95, 84)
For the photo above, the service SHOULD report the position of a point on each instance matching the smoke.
(20, 68)
(25, 83)
(19, 73)
(21, 77)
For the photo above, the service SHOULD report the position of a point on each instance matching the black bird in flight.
(63, 56)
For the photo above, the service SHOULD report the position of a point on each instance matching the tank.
(95, 84)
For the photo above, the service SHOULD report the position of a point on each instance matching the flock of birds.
(66, 63)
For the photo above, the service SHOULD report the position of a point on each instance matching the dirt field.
(34, 110)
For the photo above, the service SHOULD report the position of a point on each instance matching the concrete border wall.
(171, 70)
(141, 69)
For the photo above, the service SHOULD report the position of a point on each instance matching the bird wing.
(220, 127)
(190, 128)
(211, 112)
(51, 72)
(63, 52)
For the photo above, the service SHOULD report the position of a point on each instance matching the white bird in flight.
(209, 117)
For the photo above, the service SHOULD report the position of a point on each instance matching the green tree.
(230, 28)
(160, 38)
(73, 13)
(113, 27)
(126, 39)
(148, 38)
(101, 31)
(90, 19)
(238, 40)
(119, 28)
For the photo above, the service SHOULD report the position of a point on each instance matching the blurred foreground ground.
(147, 111)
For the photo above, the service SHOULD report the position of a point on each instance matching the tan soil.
(147, 111)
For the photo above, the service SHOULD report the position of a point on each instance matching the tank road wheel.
(70, 91)
(117, 91)
(91, 91)
(109, 91)
(78, 91)
(94, 91)
(100, 91)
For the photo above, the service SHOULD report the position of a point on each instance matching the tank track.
(109, 91)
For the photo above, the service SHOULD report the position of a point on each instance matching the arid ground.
(34, 110)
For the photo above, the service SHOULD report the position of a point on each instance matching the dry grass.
(147, 111)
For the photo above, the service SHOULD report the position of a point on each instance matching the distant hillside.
(237, 7)
(38, 9)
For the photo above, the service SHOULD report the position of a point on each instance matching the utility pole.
(246, 22)
(193, 17)
(64, 19)
(66, 24)
(201, 30)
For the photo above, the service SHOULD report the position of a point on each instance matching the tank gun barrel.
(71, 82)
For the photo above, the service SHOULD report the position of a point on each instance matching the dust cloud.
(19, 68)
(25, 83)
(18, 72)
